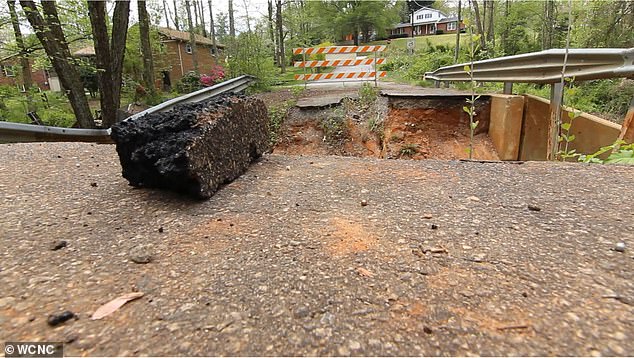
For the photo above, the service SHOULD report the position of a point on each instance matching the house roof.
(85, 51)
(184, 36)
(430, 9)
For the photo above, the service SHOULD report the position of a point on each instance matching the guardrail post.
(556, 97)
(508, 87)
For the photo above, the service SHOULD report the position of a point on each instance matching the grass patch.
(423, 42)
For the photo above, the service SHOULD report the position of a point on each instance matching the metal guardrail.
(18, 132)
(544, 66)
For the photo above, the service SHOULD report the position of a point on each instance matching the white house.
(426, 21)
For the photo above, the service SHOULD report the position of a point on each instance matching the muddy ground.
(319, 256)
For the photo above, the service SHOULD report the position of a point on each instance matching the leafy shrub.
(334, 127)
(216, 75)
(249, 55)
(367, 93)
(188, 83)
(297, 91)
(408, 150)
(428, 62)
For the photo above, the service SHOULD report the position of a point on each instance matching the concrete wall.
(505, 128)
(591, 132)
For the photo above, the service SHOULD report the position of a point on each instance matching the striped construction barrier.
(338, 49)
(335, 63)
(340, 76)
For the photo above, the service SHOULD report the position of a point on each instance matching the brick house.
(427, 21)
(178, 53)
(11, 74)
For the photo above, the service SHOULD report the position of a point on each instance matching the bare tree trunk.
(479, 25)
(212, 31)
(48, 31)
(167, 18)
(505, 33)
(547, 29)
(201, 6)
(490, 29)
(146, 48)
(280, 30)
(272, 31)
(246, 10)
(484, 17)
(195, 5)
(109, 54)
(176, 16)
(24, 60)
(232, 25)
(457, 52)
(192, 36)
(27, 81)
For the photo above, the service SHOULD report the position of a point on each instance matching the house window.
(451, 26)
(419, 17)
(188, 48)
(428, 16)
(9, 71)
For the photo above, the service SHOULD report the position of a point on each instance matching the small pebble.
(364, 203)
(427, 330)
(160, 229)
(302, 312)
(434, 226)
(427, 216)
(93, 184)
(620, 246)
(532, 207)
(354, 345)
(57, 319)
(59, 244)
(140, 255)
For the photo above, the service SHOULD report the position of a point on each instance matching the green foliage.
(187, 84)
(470, 109)
(367, 94)
(52, 107)
(336, 19)
(376, 125)
(277, 116)
(133, 60)
(297, 91)
(334, 127)
(622, 153)
(413, 67)
(249, 55)
(408, 150)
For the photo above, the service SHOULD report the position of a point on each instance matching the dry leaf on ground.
(114, 305)
(363, 272)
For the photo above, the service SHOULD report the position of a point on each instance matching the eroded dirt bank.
(388, 127)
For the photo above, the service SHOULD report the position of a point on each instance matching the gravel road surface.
(319, 256)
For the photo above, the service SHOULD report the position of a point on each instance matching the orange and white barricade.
(359, 75)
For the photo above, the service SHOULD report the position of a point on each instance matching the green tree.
(48, 28)
(221, 27)
(357, 17)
